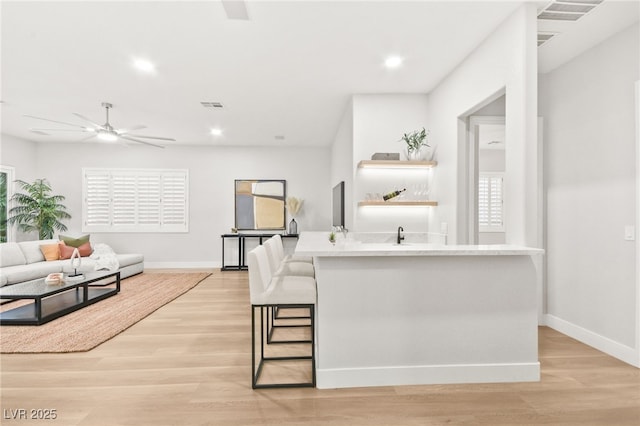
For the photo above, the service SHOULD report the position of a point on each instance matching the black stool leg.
(265, 330)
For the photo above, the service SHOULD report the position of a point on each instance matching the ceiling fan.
(104, 132)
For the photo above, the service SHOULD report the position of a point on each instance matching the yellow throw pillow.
(50, 252)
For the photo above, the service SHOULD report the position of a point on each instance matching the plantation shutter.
(491, 202)
(174, 201)
(97, 200)
(135, 200)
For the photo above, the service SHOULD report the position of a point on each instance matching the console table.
(241, 265)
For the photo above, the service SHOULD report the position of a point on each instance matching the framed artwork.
(260, 204)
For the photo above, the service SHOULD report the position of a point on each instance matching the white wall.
(212, 171)
(21, 155)
(379, 121)
(505, 62)
(590, 172)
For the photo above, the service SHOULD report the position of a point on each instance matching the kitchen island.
(419, 313)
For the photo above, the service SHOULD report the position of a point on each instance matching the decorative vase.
(421, 154)
(293, 227)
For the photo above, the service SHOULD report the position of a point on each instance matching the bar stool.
(266, 292)
(292, 257)
(281, 268)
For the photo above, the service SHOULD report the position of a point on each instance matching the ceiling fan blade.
(60, 130)
(82, 117)
(152, 137)
(139, 141)
(87, 138)
(132, 128)
(54, 121)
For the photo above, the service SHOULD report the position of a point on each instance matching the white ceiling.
(287, 71)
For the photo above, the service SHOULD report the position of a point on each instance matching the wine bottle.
(393, 194)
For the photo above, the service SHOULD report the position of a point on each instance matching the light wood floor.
(189, 364)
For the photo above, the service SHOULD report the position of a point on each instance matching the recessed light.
(144, 66)
(393, 61)
(216, 132)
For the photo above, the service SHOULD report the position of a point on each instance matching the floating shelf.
(396, 164)
(397, 203)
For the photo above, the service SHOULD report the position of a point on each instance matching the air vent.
(567, 10)
(212, 104)
(544, 37)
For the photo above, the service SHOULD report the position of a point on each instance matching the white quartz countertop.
(317, 244)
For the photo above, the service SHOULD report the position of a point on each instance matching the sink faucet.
(342, 229)
(400, 236)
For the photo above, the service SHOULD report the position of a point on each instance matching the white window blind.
(491, 202)
(135, 200)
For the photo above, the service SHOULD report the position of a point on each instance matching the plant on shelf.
(332, 237)
(37, 209)
(416, 142)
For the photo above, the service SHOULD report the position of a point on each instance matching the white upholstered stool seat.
(289, 258)
(268, 292)
(280, 268)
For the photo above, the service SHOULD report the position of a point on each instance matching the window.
(491, 202)
(6, 185)
(135, 200)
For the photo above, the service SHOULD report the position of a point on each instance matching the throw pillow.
(66, 251)
(74, 242)
(85, 249)
(50, 252)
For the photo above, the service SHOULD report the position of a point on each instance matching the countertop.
(317, 244)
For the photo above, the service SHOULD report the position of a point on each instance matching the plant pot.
(424, 153)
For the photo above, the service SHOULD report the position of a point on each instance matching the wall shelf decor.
(396, 164)
(397, 203)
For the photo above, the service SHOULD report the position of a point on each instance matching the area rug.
(88, 327)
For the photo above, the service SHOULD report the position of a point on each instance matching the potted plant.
(417, 146)
(37, 209)
(332, 237)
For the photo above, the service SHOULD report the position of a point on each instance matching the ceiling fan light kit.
(105, 132)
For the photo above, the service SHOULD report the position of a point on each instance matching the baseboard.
(427, 375)
(181, 265)
(604, 344)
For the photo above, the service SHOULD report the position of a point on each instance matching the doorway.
(489, 218)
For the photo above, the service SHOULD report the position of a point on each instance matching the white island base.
(423, 315)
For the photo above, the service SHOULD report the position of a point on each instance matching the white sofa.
(24, 261)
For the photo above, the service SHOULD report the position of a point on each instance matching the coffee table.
(53, 301)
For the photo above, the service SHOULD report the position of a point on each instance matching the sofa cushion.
(50, 252)
(11, 255)
(129, 259)
(20, 273)
(31, 250)
(75, 242)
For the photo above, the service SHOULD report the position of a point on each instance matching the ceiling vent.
(567, 10)
(211, 104)
(544, 37)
